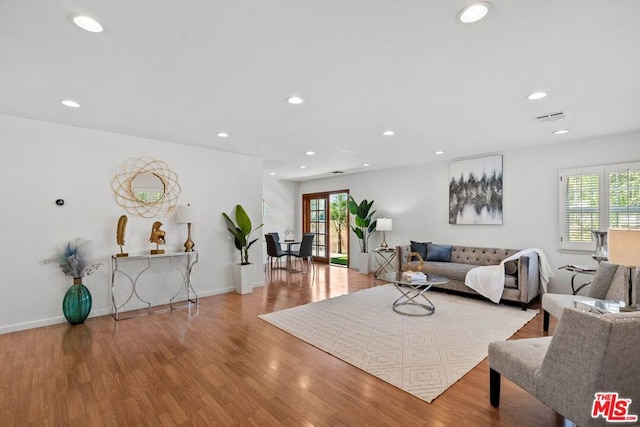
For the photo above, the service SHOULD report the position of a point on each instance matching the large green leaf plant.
(364, 222)
(241, 230)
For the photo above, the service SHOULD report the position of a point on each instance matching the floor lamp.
(624, 249)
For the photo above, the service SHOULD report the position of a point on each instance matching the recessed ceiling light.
(70, 103)
(272, 173)
(388, 133)
(295, 100)
(560, 131)
(303, 167)
(310, 153)
(439, 152)
(222, 134)
(473, 12)
(366, 165)
(536, 95)
(88, 24)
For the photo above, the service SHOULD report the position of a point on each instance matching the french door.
(316, 219)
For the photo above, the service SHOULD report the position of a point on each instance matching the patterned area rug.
(420, 355)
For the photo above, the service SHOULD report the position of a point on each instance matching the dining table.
(289, 244)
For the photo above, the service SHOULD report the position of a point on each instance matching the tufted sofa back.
(480, 256)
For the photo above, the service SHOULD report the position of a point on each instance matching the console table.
(181, 261)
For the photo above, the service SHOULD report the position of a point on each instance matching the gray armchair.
(610, 283)
(588, 353)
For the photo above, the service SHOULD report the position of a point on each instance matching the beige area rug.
(421, 355)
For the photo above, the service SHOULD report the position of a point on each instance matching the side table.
(384, 257)
(579, 269)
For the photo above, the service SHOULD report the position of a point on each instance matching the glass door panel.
(316, 218)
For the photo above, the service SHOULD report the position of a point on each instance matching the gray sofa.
(522, 281)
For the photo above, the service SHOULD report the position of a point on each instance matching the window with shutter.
(596, 198)
(624, 198)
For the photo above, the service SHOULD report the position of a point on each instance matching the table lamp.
(188, 215)
(624, 249)
(384, 225)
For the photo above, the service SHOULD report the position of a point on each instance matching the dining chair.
(305, 252)
(274, 251)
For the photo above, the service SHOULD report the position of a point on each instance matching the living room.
(53, 153)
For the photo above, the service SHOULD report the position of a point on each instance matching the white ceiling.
(181, 71)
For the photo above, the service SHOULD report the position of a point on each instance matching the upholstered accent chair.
(610, 283)
(589, 353)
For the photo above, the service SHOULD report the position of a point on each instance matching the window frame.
(603, 172)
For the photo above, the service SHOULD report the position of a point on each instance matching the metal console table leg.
(185, 286)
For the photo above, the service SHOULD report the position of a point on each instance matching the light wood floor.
(218, 364)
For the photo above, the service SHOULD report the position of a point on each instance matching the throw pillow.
(420, 248)
(439, 252)
(511, 267)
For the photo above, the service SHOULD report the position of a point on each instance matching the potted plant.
(364, 226)
(241, 231)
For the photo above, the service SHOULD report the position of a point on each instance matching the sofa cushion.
(420, 248)
(451, 270)
(439, 252)
(458, 271)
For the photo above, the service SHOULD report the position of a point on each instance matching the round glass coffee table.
(413, 301)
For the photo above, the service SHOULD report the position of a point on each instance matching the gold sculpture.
(122, 225)
(157, 237)
(408, 266)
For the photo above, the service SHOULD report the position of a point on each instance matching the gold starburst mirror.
(146, 187)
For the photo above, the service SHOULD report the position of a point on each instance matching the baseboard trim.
(39, 323)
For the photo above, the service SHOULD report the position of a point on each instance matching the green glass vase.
(76, 304)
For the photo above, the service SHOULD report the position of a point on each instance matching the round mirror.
(147, 187)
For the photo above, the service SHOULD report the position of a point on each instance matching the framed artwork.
(475, 191)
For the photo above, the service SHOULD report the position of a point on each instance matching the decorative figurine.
(157, 237)
(122, 225)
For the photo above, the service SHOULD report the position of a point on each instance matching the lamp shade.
(384, 224)
(187, 215)
(624, 247)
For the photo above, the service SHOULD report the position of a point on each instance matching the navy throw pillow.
(420, 248)
(439, 252)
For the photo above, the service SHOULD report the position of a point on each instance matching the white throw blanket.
(489, 280)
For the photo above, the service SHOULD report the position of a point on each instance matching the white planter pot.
(364, 262)
(247, 277)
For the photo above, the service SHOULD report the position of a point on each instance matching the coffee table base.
(408, 299)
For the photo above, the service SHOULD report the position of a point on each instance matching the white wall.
(417, 199)
(42, 162)
(282, 205)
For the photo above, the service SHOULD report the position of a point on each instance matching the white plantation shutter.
(624, 198)
(596, 198)
(582, 206)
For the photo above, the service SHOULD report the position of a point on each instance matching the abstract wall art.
(475, 191)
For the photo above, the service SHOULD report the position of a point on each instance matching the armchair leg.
(494, 388)
(545, 321)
